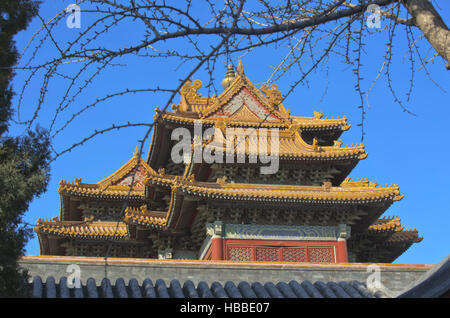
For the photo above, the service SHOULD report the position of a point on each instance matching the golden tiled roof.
(362, 184)
(123, 171)
(110, 187)
(142, 216)
(80, 229)
(398, 233)
(304, 123)
(318, 122)
(290, 145)
(193, 106)
(192, 100)
(271, 100)
(93, 190)
(386, 224)
(324, 193)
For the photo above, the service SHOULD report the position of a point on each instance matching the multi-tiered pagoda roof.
(159, 207)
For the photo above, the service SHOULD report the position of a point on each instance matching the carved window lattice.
(294, 254)
(217, 213)
(316, 177)
(321, 255)
(113, 212)
(78, 250)
(94, 212)
(98, 250)
(267, 254)
(240, 253)
(176, 169)
(148, 252)
(104, 213)
(130, 251)
(284, 175)
(116, 251)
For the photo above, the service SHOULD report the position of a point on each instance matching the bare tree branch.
(309, 34)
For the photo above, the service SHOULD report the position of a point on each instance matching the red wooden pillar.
(341, 251)
(216, 249)
(341, 248)
(217, 241)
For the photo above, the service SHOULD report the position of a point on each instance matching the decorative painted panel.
(282, 232)
(139, 178)
(254, 110)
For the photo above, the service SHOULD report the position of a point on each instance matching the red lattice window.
(240, 253)
(294, 254)
(273, 251)
(321, 255)
(267, 254)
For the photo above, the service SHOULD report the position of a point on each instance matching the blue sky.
(411, 151)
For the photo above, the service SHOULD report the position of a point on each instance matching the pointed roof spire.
(229, 77)
(136, 151)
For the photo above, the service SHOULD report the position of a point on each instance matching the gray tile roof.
(434, 283)
(175, 289)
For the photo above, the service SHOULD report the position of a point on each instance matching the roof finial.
(229, 77)
(240, 68)
(136, 151)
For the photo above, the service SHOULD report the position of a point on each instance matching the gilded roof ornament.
(315, 144)
(363, 155)
(143, 208)
(273, 94)
(221, 181)
(191, 178)
(136, 152)
(88, 218)
(337, 143)
(294, 125)
(229, 77)
(77, 181)
(221, 123)
(189, 91)
(345, 127)
(326, 185)
(240, 69)
(373, 184)
(318, 115)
